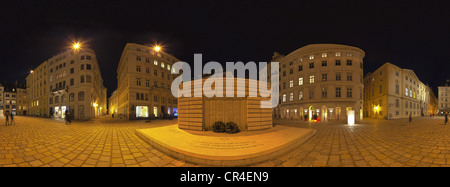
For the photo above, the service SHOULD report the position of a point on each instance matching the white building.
(321, 81)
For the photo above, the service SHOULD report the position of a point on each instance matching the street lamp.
(157, 48)
(76, 46)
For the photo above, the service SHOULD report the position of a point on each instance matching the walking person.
(7, 118)
(446, 118)
(67, 114)
(410, 118)
(12, 119)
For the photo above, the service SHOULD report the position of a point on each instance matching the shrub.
(219, 127)
(232, 128)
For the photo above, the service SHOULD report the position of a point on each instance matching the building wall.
(69, 81)
(391, 92)
(322, 92)
(444, 99)
(22, 103)
(432, 102)
(2, 105)
(144, 81)
(37, 91)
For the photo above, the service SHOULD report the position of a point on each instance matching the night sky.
(410, 34)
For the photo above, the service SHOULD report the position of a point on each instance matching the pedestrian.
(410, 118)
(7, 118)
(12, 119)
(67, 114)
(446, 118)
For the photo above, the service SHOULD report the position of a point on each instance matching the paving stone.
(106, 142)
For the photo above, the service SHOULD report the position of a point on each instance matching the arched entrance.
(311, 113)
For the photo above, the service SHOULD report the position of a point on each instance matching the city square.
(108, 142)
(233, 91)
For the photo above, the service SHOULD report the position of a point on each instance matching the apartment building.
(321, 82)
(69, 81)
(144, 81)
(444, 98)
(392, 92)
(13, 99)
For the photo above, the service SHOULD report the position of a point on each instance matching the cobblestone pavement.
(36, 142)
(373, 143)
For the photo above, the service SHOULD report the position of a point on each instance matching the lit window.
(300, 95)
(311, 57)
(162, 64)
(300, 81)
(284, 97)
(324, 55)
(338, 53)
(311, 79)
(291, 84)
(155, 62)
(406, 91)
(291, 96)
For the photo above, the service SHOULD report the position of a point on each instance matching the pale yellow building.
(144, 82)
(113, 103)
(444, 98)
(37, 91)
(321, 81)
(432, 101)
(22, 102)
(69, 81)
(392, 92)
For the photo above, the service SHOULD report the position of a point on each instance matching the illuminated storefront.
(141, 111)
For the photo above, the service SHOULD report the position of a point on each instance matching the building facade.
(321, 82)
(392, 92)
(13, 99)
(432, 101)
(69, 81)
(144, 83)
(113, 103)
(444, 98)
(38, 91)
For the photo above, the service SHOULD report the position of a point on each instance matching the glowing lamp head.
(76, 46)
(31, 71)
(377, 108)
(157, 48)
